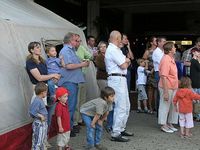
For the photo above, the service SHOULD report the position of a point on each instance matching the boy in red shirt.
(63, 118)
(184, 97)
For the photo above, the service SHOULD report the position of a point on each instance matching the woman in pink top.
(183, 103)
(168, 85)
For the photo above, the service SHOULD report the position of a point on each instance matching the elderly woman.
(100, 64)
(168, 85)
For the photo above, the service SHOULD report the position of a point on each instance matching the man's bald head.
(115, 37)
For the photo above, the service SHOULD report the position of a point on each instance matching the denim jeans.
(197, 90)
(51, 87)
(157, 78)
(110, 118)
(93, 135)
(72, 99)
(50, 100)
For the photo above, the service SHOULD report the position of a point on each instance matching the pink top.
(168, 69)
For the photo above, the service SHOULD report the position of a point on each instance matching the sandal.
(182, 135)
(68, 148)
(189, 135)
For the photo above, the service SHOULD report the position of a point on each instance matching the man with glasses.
(71, 74)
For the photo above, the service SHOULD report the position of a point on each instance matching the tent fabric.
(18, 139)
(23, 21)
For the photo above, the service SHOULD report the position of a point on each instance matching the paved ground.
(148, 136)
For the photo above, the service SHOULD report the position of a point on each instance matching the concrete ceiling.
(148, 6)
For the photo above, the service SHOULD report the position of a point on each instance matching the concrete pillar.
(93, 10)
(127, 23)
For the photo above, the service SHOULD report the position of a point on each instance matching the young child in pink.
(183, 103)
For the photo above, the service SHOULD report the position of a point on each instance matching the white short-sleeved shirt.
(113, 59)
(157, 56)
(142, 77)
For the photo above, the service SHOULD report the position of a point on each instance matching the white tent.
(23, 21)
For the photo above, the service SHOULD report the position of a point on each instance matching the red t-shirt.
(63, 112)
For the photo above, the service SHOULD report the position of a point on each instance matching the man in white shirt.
(116, 66)
(157, 56)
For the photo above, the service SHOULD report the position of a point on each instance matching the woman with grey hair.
(168, 85)
(100, 65)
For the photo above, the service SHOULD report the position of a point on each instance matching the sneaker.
(139, 111)
(48, 145)
(75, 130)
(108, 130)
(72, 134)
(119, 138)
(81, 124)
(167, 130)
(146, 111)
(100, 147)
(125, 133)
(76, 127)
(173, 129)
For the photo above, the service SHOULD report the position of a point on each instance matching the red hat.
(60, 92)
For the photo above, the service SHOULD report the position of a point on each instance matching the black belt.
(117, 74)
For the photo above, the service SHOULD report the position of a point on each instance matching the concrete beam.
(147, 7)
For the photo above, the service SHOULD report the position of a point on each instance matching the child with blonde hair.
(142, 73)
(54, 65)
(183, 102)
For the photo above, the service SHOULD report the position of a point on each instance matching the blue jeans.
(110, 118)
(157, 78)
(50, 100)
(197, 90)
(72, 99)
(93, 134)
(51, 87)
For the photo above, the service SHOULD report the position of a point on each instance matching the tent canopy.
(23, 21)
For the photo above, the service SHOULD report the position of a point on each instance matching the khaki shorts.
(63, 139)
(142, 95)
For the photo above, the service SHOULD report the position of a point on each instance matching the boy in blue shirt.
(38, 112)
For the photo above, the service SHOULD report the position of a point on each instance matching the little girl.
(183, 103)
